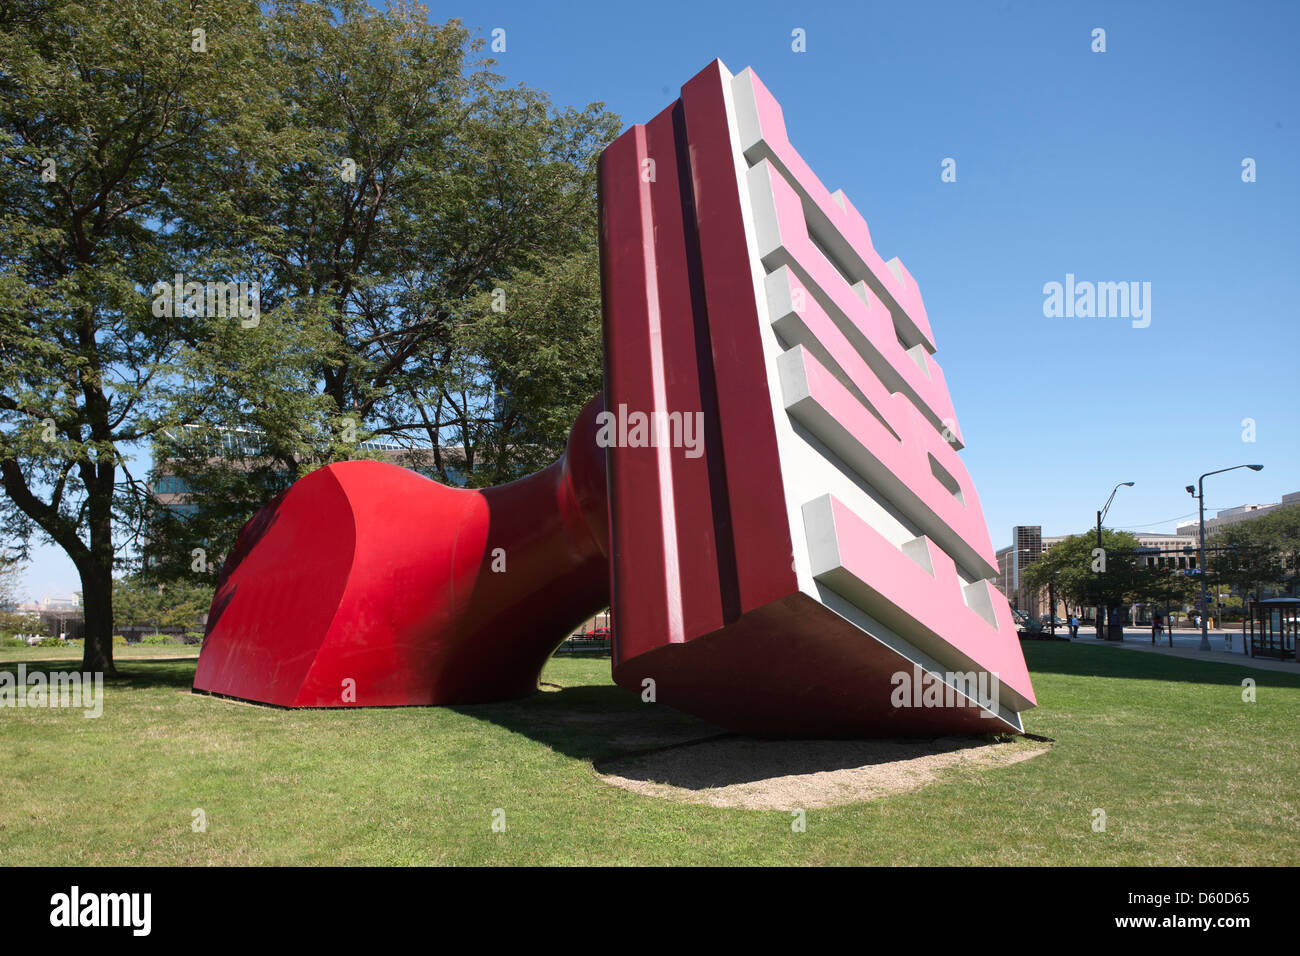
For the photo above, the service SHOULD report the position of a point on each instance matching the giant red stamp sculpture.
(768, 494)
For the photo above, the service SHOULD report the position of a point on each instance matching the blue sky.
(1115, 166)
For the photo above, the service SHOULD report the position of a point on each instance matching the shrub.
(156, 639)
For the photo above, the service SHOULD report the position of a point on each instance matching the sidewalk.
(1186, 644)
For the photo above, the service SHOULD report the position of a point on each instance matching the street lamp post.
(1199, 494)
(1100, 515)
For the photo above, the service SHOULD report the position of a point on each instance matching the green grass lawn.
(1185, 771)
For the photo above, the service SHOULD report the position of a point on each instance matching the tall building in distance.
(1026, 548)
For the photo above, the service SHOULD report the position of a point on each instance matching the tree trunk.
(97, 602)
(96, 572)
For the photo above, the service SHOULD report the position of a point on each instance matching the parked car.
(1025, 623)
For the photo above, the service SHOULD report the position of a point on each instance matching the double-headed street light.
(1199, 493)
(1100, 515)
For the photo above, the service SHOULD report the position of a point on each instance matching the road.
(1183, 637)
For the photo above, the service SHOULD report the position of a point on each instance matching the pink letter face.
(891, 523)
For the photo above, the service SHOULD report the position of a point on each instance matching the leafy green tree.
(10, 571)
(1261, 553)
(1282, 532)
(437, 262)
(1113, 579)
(140, 601)
(1165, 588)
(12, 623)
(539, 358)
(1253, 559)
(375, 183)
(132, 137)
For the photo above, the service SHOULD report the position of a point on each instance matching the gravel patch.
(804, 774)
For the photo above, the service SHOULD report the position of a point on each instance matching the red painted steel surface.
(695, 543)
(794, 668)
(366, 584)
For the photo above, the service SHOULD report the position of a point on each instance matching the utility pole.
(1199, 494)
(1101, 514)
(1099, 548)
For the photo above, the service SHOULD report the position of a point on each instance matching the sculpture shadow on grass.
(176, 672)
(137, 674)
(657, 745)
(592, 722)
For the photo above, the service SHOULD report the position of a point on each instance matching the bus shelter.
(1274, 625)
